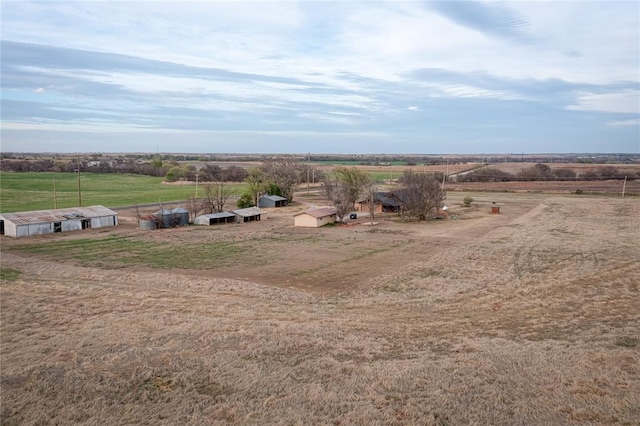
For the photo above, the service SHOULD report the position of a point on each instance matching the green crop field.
(35, 191)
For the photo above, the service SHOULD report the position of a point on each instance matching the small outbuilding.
(315, 218)
(215, 218)
(40, 222)
(250, 214)
(272, 201)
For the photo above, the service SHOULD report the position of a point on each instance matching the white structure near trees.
(40, 222)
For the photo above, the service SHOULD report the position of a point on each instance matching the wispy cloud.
(627, 101)
(491, 18)
(407, 71)
(633, 122)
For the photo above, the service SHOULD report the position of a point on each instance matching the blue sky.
(320, 76)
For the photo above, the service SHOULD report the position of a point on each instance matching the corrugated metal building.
(272, 201)
(215, 218)
(250, 214)
(40, 222)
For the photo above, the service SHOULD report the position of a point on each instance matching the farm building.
(41, 222)
(272, 201)
(315, 218)
(250, 214)
(180, 216)
(215, 218)
(391, 202)
(165, 218)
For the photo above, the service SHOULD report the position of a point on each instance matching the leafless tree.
(422, 194)
(286, 174)
(215, 197)
(344, 186)
(329, 185)
(195, 206)
(370, 192)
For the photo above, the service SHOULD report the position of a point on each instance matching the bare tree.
(195, 206)
(286, 174)
(370, 191)
(329, 185)
(353, 181)
(422, 194)
(344, 186)
(341, 200)
(215, 197)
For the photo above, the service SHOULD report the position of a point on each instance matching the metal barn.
(272, 201)
(215, 218)
(40, 222)
(250, 214)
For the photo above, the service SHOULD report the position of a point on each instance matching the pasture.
(527, 317)
(35, 191)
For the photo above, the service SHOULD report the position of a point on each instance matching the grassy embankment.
(35, 191)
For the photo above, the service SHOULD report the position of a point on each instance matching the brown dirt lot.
(632, 187)
(527, 317)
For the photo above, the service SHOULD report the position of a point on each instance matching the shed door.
(86, 223)
(57, 226)
(1, 227)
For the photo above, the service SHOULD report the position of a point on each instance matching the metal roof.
(320, 212)
(218, 215)
(393, 198)
(250, 211)
(57, 215)
(274, 197)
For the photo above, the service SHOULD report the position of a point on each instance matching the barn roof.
(219, 215)
(393, 198)
(250, 211)
(320, 212)
(57, 215)
(274, 197)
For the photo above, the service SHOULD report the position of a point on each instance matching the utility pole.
(55, 199)
(308, 167)
(624, 186)
(196, 186)
(79, 187)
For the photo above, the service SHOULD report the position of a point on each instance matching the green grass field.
(35, 191)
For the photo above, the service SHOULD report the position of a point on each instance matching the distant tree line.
(542, 172)
(171, 170)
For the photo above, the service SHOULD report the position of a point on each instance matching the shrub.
(246, 200)
(467, 201)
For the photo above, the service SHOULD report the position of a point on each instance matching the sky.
(345, 77)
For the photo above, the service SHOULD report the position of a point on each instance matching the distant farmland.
(35, 191)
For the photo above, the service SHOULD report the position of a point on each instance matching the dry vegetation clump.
(533, 321)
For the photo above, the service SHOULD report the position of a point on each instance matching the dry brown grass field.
(529, 317)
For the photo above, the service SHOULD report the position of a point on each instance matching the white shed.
(315, 218)
(39, 222)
